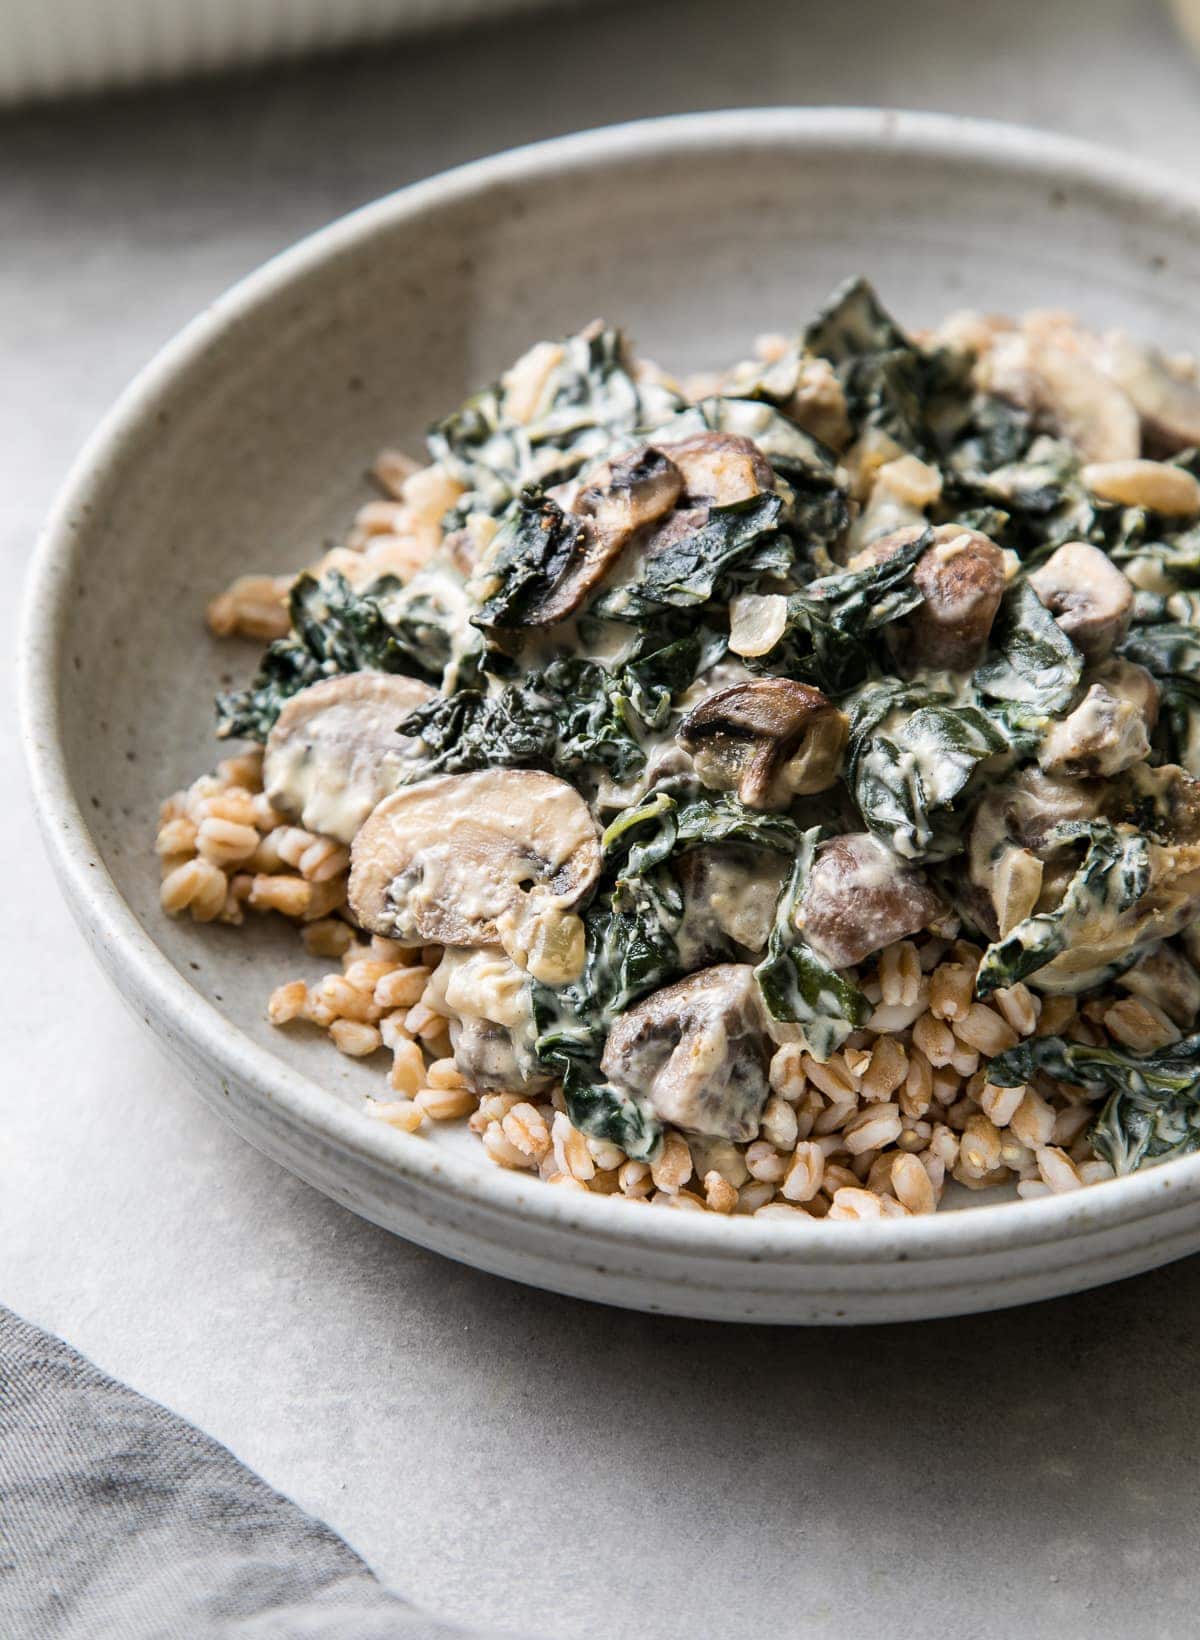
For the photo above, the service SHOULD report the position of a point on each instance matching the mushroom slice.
(720, 468)
(577, 548)
(697, 1053)
(859, 897)
(1088, 596)
(1064, 387)
(1168, 405)
(486, 999)
(334, 752)
(962, 577)
(493, 858)
(771, 738)
(1105, 735)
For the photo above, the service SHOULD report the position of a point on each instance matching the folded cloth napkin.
(119, 1521)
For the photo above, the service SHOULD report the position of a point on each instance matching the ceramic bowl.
(243, 446)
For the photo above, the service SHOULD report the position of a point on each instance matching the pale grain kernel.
(234, 805)
(935, 1040)
(356, 1040)
(720, 1195)
(912, 1184)
(984, 1031)
(1056, 1015)
(198, 887)
(408, 1067)
(786, 1074)
(635, 1180)
(1020, 1007)
(178, 836)
(779, 1125)
(764, 1162)
(244, 770)
(754, 1195)
(525, 1127)
(290, 896)
(401, 1113)
(1070, 1123)
(899, 973)
(1057, 1169)
(1095, 1172)
(979, 1150)
(673, 1167)
(887, 1070)
(951, 991)
(851, 1202)
(806, 1173)
(1033, 1120)
(446, 1104)
(1000, 1104)
(502, 1151)
(833, 1078)
(287, 1002)
(571, 1151)
(323, 860)
(607, 1156)
(872, 1128)
(401, 987)
(917, 1093)
(364, 975)
(444, 1073)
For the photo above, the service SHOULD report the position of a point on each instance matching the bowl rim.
(111, 924)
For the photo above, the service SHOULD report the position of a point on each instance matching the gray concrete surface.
(502, 1455)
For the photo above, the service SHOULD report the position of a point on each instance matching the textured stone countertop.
(502, 1455)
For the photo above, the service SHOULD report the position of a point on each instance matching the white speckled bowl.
(244, 444)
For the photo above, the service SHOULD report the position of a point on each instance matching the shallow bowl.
(244, 445)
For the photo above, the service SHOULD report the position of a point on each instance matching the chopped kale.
(1113, 876)
(334, 629)
(1033, 668)
(795, 984)
(533, 549)
(1153, 1110)
(827, 639)
(913, 754)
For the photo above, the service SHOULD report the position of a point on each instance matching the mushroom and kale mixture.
(776, 793)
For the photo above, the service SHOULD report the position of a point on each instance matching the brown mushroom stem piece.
(697, 1053)
(860, 897)
(1088, 596)
(962, 578)
(720, 468)
(334, 752)
(495, 858)
(770, 739)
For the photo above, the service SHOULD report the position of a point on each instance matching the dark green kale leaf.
(889, 382)
(590, 398)
(653, 678)
(1032, 668)
(796, 985)
(662, 825)
(334, 629)
(571, 714)
(1153, 1110)
(735, 541)
(913, 754)
(534, 547)
(827, 636)
(1113, 875)
(1036, 503)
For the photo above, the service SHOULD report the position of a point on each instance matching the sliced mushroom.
(625, 494)
(860, 897)
(720, 468)
(1063, 387)
(1168, 405)
(493, 858)
(771, 739)
(1104, 735)
(729, 895)
(334, 752)
(962, 577)
(1088, 596)
(697, 1053)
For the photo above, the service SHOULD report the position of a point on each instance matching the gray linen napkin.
(119, 1521)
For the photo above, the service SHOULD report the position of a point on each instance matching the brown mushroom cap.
(475, 859)
(697, 1052)
(720, 468)
(770, 738)
(334, 752)
(962, 577)
(1089, 597)
(859, 897)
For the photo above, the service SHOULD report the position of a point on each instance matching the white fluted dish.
(243, 445)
